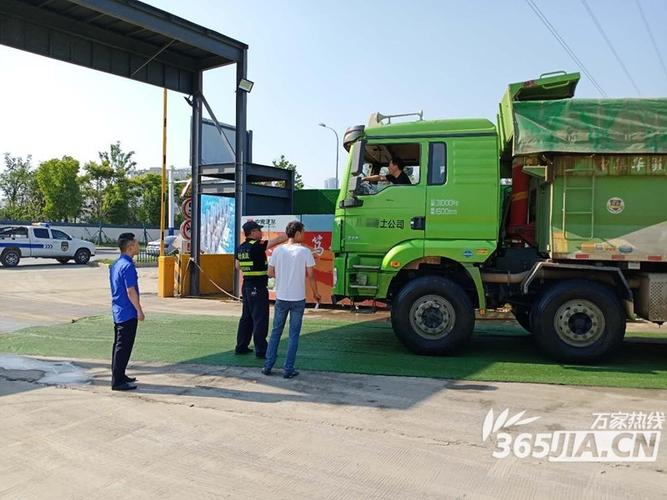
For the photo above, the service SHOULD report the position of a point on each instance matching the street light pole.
(337, 148)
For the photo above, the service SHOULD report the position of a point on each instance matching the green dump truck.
(559, 210)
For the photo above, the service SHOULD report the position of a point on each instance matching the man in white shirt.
(290, 264)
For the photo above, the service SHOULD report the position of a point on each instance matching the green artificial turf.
(498, 352)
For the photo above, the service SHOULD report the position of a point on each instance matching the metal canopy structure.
(134, 40)
(123, 37)
(269, 189)
(260, 198)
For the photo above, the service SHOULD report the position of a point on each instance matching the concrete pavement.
(211, 432)
(51, 294)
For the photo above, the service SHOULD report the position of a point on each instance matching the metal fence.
(145, 257)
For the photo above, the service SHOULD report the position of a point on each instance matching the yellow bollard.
(165, 273)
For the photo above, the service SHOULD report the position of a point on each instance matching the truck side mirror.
(357, 183)
(351, 202)
(351, 199)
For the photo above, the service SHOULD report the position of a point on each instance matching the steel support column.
(195, 158)
(241, 139)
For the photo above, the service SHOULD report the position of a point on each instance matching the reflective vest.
(257, 268)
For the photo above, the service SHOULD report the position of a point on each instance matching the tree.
(121, 163)
(284, 163)
(110, 193)
(149, 189)
(95, 183)
(58, 183)
(117, 200)
(23, 201)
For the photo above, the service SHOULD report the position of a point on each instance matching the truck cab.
(41, 241)
(447, 214)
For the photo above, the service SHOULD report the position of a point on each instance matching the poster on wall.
(317, 237)
(217, 224)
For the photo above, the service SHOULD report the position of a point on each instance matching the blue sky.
(333, 62)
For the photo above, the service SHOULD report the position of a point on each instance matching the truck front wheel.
(10, 257)
(578, 321)
(433, 316)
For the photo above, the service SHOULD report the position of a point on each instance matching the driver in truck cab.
(395, 175)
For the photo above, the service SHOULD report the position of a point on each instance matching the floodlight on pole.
(337, 147)
(246, 85)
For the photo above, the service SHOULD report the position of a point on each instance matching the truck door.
(62, 244)
(387, 214)
(441, 206)
(41, 244)
(462, 196)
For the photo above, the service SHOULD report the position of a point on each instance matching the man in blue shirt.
(126, 309)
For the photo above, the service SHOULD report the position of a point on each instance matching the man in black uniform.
(251, 260)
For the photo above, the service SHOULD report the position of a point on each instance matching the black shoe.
(125, 386)
(243, 350)
(260, 356)
(266, 371)
(291, 374)
(130, 379)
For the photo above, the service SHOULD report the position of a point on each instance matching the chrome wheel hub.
(432, 317)
(579, 323)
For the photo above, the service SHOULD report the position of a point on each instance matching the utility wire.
(650, 34)
(565, 46)
(598, 25)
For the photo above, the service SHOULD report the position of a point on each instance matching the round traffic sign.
(187, 208)
(186, 230)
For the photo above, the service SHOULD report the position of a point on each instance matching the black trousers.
(123, 342)
(254, 322)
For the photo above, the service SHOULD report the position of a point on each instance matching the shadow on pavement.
(309, 387)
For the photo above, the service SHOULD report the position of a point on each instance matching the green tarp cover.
(632, 126)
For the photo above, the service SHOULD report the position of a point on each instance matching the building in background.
(179, 174)
(330, 183)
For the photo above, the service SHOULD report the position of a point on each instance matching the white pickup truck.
(41, 241)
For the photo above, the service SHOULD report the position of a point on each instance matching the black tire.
(433, 316)
(578, 321)
(82, 256)
(63, 260)
(10, 257)
(522, 315)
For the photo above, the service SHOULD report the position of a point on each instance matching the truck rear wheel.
(10, 257)
(522, 315)
(433, 316)
(578, 321)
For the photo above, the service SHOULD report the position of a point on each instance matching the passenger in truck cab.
(395, 175)
(375, 171)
